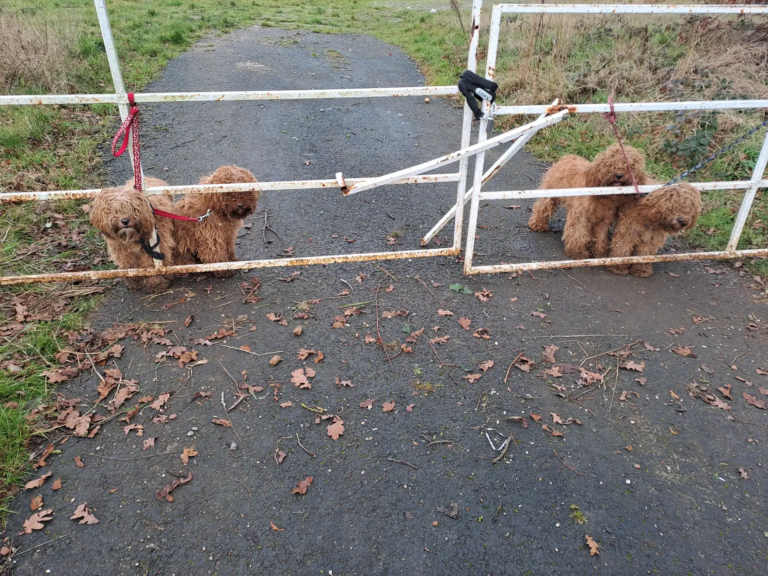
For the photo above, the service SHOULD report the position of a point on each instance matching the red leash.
(131, 127)
(611, 117)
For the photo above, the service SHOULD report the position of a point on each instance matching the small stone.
(190, 433)
(233, 446)
(427, 100)
(14, 368)
(194, 428)
(435, 523)
(628, 481)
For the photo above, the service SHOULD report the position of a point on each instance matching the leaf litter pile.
(557, 386)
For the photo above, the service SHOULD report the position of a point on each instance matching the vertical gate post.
(490, 74)
(749, 196)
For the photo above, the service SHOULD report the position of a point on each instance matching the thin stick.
(40, 545)
(385, 272)
(580, 336)
(351, 290)
(251, 353)
(510, 366)
(244, 486)
(93, 368)
(610, 351)
(442, 363)
(430, 291)
(440, 442)
(506, 447)
(298, 441)
(355, 304)
(236, 403)
(566, 465)
(739, 356)
(227, 371)
(128, 459)
(405, 463)
(378, 332)
(230, 419)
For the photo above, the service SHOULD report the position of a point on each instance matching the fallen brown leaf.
(37, 483)
(487, 365)
(56, 484)
(336, 429)
(222, 422)
(684, 351)
(535, 417)
(79, 462)
(465, 323)
(165, 493)
(726, 391)
(388, 406)
(302, 486)
(753, 401)
(637, 367)
(187, 454)
(549, 353)
(35, 522)
(472, 377)
(275, 360)
(556, 419)
(444, 313)
(593, 546)
(275, 528)
(148, 443)
(368, 404)
(36, 502)
(743, 474)
(84, 514)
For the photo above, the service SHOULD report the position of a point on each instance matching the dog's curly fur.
(589, 218)
(642, 227)
(124, 217)
(213, 239)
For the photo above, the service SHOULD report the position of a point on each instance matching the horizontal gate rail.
(701, 9)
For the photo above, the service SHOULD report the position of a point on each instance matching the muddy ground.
(651, 471)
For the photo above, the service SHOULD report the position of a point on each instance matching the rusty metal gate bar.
(120, 98)
(751, 186)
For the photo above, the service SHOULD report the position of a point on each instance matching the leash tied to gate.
(129, 129)
(164, 214)
(611, 118)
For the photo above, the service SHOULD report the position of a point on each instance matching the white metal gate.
(548, 115)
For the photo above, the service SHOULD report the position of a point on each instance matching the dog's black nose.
(125, 221)
(682, 221)
(240, 205)
(619, 176)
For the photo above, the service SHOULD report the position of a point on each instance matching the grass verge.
(54, 46)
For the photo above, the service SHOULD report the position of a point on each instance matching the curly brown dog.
(213, 239)
(643, 226)
(589, 217)
(125, 219)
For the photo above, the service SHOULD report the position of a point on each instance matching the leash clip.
(204, 216)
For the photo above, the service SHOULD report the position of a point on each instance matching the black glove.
(476, 88)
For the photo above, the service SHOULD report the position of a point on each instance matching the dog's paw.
(621, 270)
(642, 270)
(224, 273)
(537, 226)
(153, 284)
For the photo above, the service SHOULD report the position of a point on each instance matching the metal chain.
(716, 154)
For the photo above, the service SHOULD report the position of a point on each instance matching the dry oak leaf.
(535, 417)
(387, 315)
(222, 333)
(726, 391)
(187, 454)
(35, 522)
(277, 318)
(165, 493)
(320, 357)
(286, 404)
(440, 340)
(304, 353)
(444, 313)
(188, 320)
(368, 404)
(588, 378)
(465, 323)
(162, 399)
(684, 351)
(763, 390)
(539, 315)
(275, 528)
(128, 389)
(634, 366)
(300, 377)
(43, 457)
(484, 295)
(761, 371)
(641, 381)
(222, 422)
(487, 365)
(343, 383)
(79, 462)
(369, 339)
(37, 483)
(388, 406)
(524, 364)
(336, 429)
(549, 353)
(4, 551)
(554, 372)
(84, 514)
(275, 360)
(593, 546)
(743, 474)
(717, 403)
(302, 486)
(483, 333)
(552, 431)
(556, 419)
(409, 408)
(37, 502)
(56, 484)
(279, 456)
(472, 377)
(753, 401)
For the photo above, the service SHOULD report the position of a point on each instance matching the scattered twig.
(351, 290)
(739, 356)
(355, 304)
(228, 374)
(267, 227)
(251, 353)
(385, 272)
(498, 511)
(510, 366)
(41, 545)
(566, 465)
(441, 442)
(442, 363)
(244, 486)
(580, 336)
(236, 403)
(430, 291)
(128, 459)
(405, 463)
(230, 419)
(504, 452)
(625, 346)
(298, 441)
(378, 332)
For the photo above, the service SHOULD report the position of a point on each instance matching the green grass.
(56, 148)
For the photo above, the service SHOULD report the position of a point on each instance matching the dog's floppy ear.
(99, 213)
(596, 175)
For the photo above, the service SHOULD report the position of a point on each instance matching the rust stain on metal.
(555, 108)
(491, 174)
